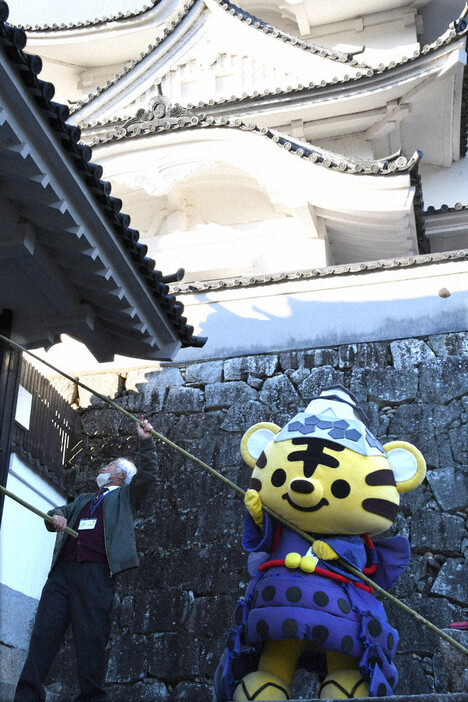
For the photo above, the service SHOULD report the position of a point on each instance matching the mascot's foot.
(261, 686)
(343, 685)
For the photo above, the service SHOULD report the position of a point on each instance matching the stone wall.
(172, 614)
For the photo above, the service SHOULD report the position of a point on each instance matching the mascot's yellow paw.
(254, 507)
(261, 686)
(324, 551)
(343, 685)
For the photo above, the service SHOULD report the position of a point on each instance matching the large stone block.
(173, 657)
(226, 394)
(450, 488)
(362, 356)
(127, 659)
(415, 636)
(107, 384)
(452, 581)
(319, 379)
(240, 368)
(145, 691)
(101, 422)
(407, 353)
(443, 380)
(432, 418)
(298, 376)
(192, 692)
(279, 392)
(242, 415)
(228, 451)
(145, 379)
(182, 400)
(11, 664)
(407, 582)
(213, 530)
(66, 388)
(163, 609)
(386, 385)
(151, 401)
(291, 360)
(454, 344)
(196, 426)
(210, 616)
(411, 677)
(459, 444)
(445, 533)
(148, 387)
(15, 631)
(455, 663)
(202, 373)
(321, 357)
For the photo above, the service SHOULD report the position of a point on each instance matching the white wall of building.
(26, 547)
(375, 306)
(445, 186)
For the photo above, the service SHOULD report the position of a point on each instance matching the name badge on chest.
(86, 524)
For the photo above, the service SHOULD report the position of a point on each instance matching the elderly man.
(80, 588)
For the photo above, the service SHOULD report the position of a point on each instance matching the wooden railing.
(51, 425)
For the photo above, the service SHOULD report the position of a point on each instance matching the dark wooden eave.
(69, 260)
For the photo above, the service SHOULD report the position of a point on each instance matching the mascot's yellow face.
(323, 487)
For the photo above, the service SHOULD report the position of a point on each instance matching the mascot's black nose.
(303, 486)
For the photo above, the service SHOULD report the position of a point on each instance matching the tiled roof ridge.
(231, 9)
(166, 32)
(455, 30)
(28, 67)
(177, 117)
(443, 209)
(118, 17)
(266, 28)
(325, 272)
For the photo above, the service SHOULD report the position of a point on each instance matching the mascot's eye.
(340, 489)
(278, 478)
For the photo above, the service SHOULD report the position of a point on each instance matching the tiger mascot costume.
(327, 475)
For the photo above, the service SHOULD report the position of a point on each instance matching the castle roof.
(71, 263)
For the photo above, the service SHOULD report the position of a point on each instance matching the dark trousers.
(79, 594)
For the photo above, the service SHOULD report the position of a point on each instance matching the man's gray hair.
(128, 468)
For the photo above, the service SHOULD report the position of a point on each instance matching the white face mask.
(103, 478)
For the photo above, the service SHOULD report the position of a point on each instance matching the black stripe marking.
(381, 477)
(313, 455)
(383, 508)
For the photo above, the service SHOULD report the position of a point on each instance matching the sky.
(50, 11)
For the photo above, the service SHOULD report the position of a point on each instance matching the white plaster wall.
(382, 41)
(375, 306)
(65, 78)
(444, 186)
(26, 547)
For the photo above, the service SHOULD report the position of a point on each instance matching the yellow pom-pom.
(308, 564)
(292, 560)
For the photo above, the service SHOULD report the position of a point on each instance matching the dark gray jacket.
(119, 534)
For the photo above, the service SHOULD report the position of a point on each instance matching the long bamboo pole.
(239, 490)
(37, 511)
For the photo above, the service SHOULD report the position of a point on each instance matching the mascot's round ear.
(407, 463)
(256, 439)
